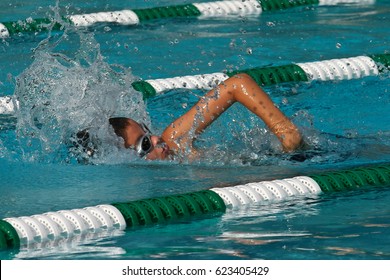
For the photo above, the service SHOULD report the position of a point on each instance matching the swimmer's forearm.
(257, 101)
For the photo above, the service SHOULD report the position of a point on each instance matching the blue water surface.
(347, 121)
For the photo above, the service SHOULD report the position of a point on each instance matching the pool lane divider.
(231, 8)
(326, 70)
(50, 228)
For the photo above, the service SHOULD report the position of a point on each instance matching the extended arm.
(240, 88)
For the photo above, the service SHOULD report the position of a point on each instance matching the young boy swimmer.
(178, 137)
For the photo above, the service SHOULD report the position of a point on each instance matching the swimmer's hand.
(288, 134)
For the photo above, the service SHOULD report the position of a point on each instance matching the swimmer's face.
(138, 137)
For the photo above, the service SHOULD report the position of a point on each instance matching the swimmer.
(178, 137)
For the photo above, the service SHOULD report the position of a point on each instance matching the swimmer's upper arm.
(180, 134)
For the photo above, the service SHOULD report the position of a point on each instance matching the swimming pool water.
(347, 122)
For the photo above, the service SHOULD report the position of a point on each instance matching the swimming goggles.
(144, 145)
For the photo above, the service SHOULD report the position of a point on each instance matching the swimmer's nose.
(155, 140)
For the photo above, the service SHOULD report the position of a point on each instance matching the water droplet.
(270, 24)
(243, 31)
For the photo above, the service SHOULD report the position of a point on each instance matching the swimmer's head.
(138, 137)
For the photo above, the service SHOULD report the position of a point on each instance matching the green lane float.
(231, 8)
(9, 236)
(53, 227)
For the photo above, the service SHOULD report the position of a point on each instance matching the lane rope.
(53, 228)
(231, 8)
(326, 70)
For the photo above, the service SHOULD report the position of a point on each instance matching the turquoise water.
(346, 120)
